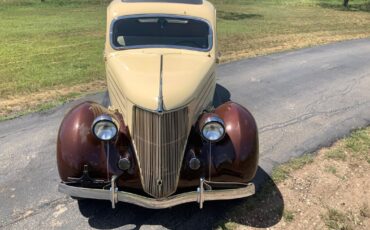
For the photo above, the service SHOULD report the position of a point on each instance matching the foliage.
(282, 172)
(48, 46)
(336, 154)
(288, 215)
(334, 219)
(52, 2)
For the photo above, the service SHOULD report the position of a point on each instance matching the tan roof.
(196, 8)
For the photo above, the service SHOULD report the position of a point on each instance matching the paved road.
(302, 100)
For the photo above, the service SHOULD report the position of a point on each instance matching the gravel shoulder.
(329, 191)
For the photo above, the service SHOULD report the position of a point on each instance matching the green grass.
(359, 143)
(365, 210)
(356, 146)
(283, 171)
(335, 219)
(59, 44)
(331, 169)
(336, 154)
(260, 27)
(288, 215)
(49, 45)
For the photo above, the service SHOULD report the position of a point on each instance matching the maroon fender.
(241, 128)
(77, 146)
(234, 158)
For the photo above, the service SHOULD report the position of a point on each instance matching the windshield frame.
(174, 16)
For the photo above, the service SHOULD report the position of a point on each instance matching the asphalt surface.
(302, 100)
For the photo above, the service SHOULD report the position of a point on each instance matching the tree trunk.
(346, 3)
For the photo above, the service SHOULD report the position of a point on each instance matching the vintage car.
(160, 141)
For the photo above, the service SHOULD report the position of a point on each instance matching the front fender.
(241, 129)
(232, 159)
(77, 146)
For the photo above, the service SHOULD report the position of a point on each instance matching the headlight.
(104, 128)
(213, 129)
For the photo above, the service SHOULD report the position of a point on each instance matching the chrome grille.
(160, 141)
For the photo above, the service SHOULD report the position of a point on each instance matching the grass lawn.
(52, 51)
(250, 28)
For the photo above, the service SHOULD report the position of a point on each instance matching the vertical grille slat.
(160, 141)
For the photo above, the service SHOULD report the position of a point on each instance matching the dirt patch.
(330, 192)
(327, 194)
(14, 105)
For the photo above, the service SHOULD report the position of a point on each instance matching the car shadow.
(221, 95)
(261, 210)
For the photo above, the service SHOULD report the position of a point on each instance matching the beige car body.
(134, 75)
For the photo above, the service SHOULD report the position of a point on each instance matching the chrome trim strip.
(214, 119)
(201, 193)
(113, 190)
(160, 97)
(207, 195)
(210, 36)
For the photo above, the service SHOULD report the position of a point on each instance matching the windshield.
(161, 31)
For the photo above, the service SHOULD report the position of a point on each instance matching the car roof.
(168, 1)
(190, 8)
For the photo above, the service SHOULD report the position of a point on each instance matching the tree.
(346, 3)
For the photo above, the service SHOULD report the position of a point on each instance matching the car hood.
(138, 77)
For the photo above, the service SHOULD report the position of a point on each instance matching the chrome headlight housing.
(104, 128)
(213, 129)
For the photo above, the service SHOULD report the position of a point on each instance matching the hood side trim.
(160, 108)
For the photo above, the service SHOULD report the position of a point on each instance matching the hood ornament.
(160, 108)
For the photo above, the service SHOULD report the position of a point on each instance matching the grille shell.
(160, 140)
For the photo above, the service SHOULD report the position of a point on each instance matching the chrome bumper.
(199, 196)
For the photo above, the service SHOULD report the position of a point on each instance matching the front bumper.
(198, 196)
